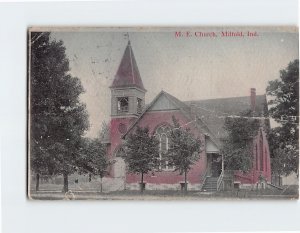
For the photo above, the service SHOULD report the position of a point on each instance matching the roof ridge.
(176, 99)
(186, 113)
(130, 50)
(142, 114)
(172, 98)
(234, 97)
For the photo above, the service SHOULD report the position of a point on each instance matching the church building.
(205, 119)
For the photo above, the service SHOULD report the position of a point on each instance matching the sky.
(188, 67)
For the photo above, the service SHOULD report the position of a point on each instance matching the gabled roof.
(209, 115)
(184, 108)
(128, 74)
(213, 111)
(143, 113)
(231, 105)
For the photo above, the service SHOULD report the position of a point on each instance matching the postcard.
(163, 113)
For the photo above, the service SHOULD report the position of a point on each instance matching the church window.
(139, 105)
(123, 104)
(164, 143)
(256, 156)
(162, 133)
(120, 152)
(122, 128)
(266, 159)
(261, 153)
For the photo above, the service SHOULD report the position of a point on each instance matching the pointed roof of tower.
(128, 74)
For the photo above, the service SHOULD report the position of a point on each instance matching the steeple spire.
(128, 74)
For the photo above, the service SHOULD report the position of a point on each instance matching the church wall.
(253, 176)
(115, 136)
(266, 173)
(168, 177)
(115, 139)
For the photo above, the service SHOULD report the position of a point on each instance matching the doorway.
(214, 165)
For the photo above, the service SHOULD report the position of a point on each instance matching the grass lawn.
(290, 192)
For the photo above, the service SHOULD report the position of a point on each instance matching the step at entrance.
(210, 184)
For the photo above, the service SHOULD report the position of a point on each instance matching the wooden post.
(66, 185)
(37, 185)
(223, 163)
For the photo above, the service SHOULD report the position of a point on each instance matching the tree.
(141, 153)
(184, 150)
(57, 117)
(104, 132)
(237, 146)
(284, 139)
(94, 160)
(40, 162)
(284, 155)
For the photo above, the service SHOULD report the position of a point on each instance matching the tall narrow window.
(256, 157)
(266, 164)
(139, 105)
(123, 104)
(261, 153)
(162, 135)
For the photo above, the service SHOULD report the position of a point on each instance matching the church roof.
(213, 111)
(209, 115)
(128, 74)
(184, 108)
(187, 111)
(231, 105)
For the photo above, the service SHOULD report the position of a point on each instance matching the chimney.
(253, 99)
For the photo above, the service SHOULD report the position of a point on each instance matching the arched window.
(266, 162)
(261, 153)
(164, 143)
(139, 104)
(123, 104)
(162, 133)
(256, 157)
(120, 152)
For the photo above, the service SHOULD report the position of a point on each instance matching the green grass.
(290, 192)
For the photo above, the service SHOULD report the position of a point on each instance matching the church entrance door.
(214, 165)
(119, 171)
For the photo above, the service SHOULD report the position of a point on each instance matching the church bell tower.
(127, 96)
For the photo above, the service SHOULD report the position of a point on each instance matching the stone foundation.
(151, 186)
(246, 186)
(253, 186)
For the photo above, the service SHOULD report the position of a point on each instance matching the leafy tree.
(142, 154)
(40, 162)
(57, 117)
(284, 139)
(284, 155)
(94, 160)
(104, 132)
(237, 146)
(184, 149)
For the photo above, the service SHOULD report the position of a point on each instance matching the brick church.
(205, 118)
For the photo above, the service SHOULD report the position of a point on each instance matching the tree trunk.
(90, 177)
(279, 180)
(37, 184)
(66, 183)
(185, 183)
(142, 183)
(100, 184)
